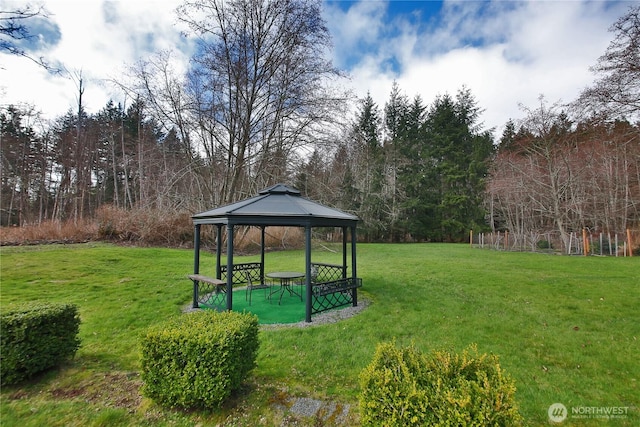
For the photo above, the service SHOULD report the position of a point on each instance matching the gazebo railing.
(329, 287)
(334, 294)
(239, 272)
(322, 272)
(210, 292)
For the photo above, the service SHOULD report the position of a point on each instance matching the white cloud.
(506, 52)
(99, 39)
(358, 28)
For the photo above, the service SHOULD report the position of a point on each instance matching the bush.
(197, 360)
(404, 387)
(144, 226)
(49, 232)
(36, 338)
(544, 244)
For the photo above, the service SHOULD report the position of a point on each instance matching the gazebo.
(279, 205)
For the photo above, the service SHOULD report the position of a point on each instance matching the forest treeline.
(260, 105)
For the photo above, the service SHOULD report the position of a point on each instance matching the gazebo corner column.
(196, 262)
(229, 267)
(307, 270)
(354, 272)
(344, 252)
(218, 250)
(262, 232)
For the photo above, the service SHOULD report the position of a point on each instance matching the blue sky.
(507, 53)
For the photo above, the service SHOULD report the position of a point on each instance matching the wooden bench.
(334, 293)
(208, 290)
(219, 284)
(333, 286)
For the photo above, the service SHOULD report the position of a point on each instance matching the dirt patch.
(113, 389)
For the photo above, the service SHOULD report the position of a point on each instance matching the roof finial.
(280, 189)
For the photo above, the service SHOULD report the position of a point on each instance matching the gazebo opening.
(321, 286)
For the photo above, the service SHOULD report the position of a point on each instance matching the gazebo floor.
(290, 309)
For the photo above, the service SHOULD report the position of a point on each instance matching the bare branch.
(14, 30)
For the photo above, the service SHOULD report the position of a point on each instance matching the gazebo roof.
(277, 205)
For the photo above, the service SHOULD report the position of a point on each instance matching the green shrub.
(197, 360)
(35, 338)
(404, 387)
(544, 244)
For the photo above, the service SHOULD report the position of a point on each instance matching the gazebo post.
(229, 266)
(218, 250)
(354, 273)
(344, 252)
(196, 262)
(262, 254)
(307, 272)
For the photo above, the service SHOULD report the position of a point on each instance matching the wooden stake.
(601, 244)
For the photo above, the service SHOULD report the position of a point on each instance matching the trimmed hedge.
(404, 387)
(198, 359)
(37, 337)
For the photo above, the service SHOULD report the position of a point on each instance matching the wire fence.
(584, 242)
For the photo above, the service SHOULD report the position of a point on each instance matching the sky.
(508, 53)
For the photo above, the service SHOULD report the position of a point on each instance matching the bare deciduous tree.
(15, 31)
(260, 82)
(554, 176)
(617, 91)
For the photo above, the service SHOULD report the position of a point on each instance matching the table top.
(285, 274)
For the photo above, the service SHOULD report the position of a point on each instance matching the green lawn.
(565, 328)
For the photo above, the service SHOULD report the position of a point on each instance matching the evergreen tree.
(445, 165)
(395, 113)
(508, 136)
(369, 168)
(415, 174)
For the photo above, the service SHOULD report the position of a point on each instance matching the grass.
(565, 328)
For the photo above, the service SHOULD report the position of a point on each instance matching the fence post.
(609, 242)
(601, 244)
(629, 240)
(570, 239)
